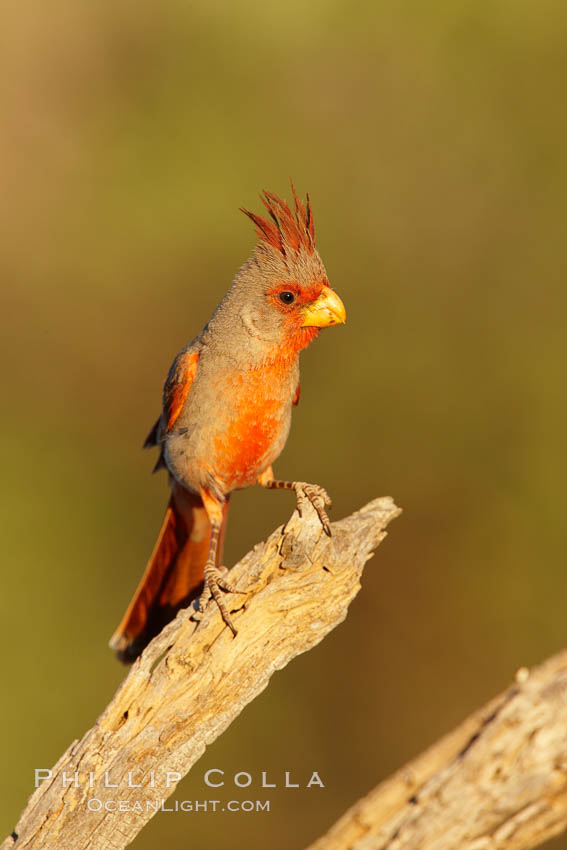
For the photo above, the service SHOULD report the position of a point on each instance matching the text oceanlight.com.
(94, 804)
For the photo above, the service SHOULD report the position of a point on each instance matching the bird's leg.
(315, 494)
(214, 576)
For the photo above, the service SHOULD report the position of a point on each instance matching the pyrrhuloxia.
(226, 415)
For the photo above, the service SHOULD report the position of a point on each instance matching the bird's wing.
(175, 391)
(177, 385)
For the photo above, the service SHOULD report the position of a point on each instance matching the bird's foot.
(318, 497)
(215, 582)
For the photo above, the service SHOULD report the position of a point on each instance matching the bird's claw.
(318, 497)
(215, 581)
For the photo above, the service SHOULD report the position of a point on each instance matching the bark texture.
(192, 681)
(497, 782)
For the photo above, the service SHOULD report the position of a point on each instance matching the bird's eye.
(287, 297)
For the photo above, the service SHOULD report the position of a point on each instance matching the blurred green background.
(431, 137)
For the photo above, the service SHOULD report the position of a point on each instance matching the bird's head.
(289, 295)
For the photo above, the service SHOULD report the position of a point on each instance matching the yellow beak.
(327, 310)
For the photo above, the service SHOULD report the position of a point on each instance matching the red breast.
(255, 436)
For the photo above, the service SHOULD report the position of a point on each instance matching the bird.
(226, 415)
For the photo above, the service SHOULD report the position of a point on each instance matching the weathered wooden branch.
(192, 681)
(497, 781)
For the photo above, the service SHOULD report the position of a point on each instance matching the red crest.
(285, 230)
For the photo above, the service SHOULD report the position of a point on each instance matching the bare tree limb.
(192, 681)
(497, 782)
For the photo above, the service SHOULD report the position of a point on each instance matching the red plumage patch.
(178, 387)
(303, 294)
(285, 230)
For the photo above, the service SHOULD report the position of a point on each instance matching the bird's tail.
(173, 576)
